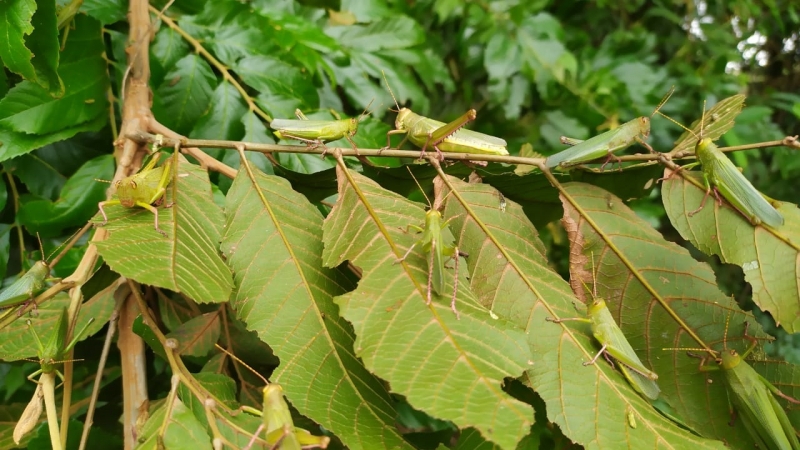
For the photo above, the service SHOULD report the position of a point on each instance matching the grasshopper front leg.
(437, 136)
(389, 139)
(103, 211)
(709, 187)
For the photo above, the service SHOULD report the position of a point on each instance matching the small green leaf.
(197, 336)
(77, 202)
(14, 143)
(28, 108)
(15, 23)
(768, 257)
(185, 94)
(273, 244)
(396, 330)
(183, 430)
(395, 32)
(283, 87)
(106, 11)
(223, 119)
(44, 45)
(188, 260)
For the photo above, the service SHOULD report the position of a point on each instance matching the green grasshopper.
(753, 397)
(425, 132)
(722, 176)
(144, 189)
(439, 248)
(50, 354)
(316, 132)
(28, 285)
(637, 130)
(613, 342)
(277, 423)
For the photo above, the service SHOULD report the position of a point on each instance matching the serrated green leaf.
(197, 336)
(183, 430)
(221, 387)
(29, 108)
(15, 23)
(273, 245)
(255, 130)
(232, 43)
(188, 260)
(506, 256)
(76, 204)
(35, 58)
(666, 297)
(394, 32)
(501, 57)
(715, 122)
(44, 45)
(282, 87)
(106, 11)
(397, 331)
(223, 119)
(185, 94)
(768, 257)
(38, 175)
(168, 47)
(14, 144)
(15, 339)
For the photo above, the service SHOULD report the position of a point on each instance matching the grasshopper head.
(730, 359)
(597, 305)
(352, 126)
(126, 190)
(399, 122)
(644, 126)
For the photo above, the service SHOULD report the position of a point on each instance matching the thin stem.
(87, 425)
(48, 381)
(143, 138)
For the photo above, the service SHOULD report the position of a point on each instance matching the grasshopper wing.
(760, 412)
(606, 331)
(587, 150)
(24, 288)
(737, 189)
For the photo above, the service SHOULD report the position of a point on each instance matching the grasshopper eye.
(133, 184)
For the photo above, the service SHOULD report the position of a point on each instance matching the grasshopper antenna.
(366, 112)
(68, 244)
(430, 205)
(663, 100)
(236, 358)
(390, 92)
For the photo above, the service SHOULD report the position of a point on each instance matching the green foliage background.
(534, 70)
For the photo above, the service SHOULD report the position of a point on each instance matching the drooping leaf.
(182, 429)
(34, 57)
(767, 256)
(714, 123)
(15, 143)
(282, 87)
(662, 298)
(223, 119)
(76, 203)
(185, 94)
(29, 108)
(397, 331)
(197, 336)
(273, 244)
(15, 339)
(187, 260)
(510, 275)
(106, 11)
